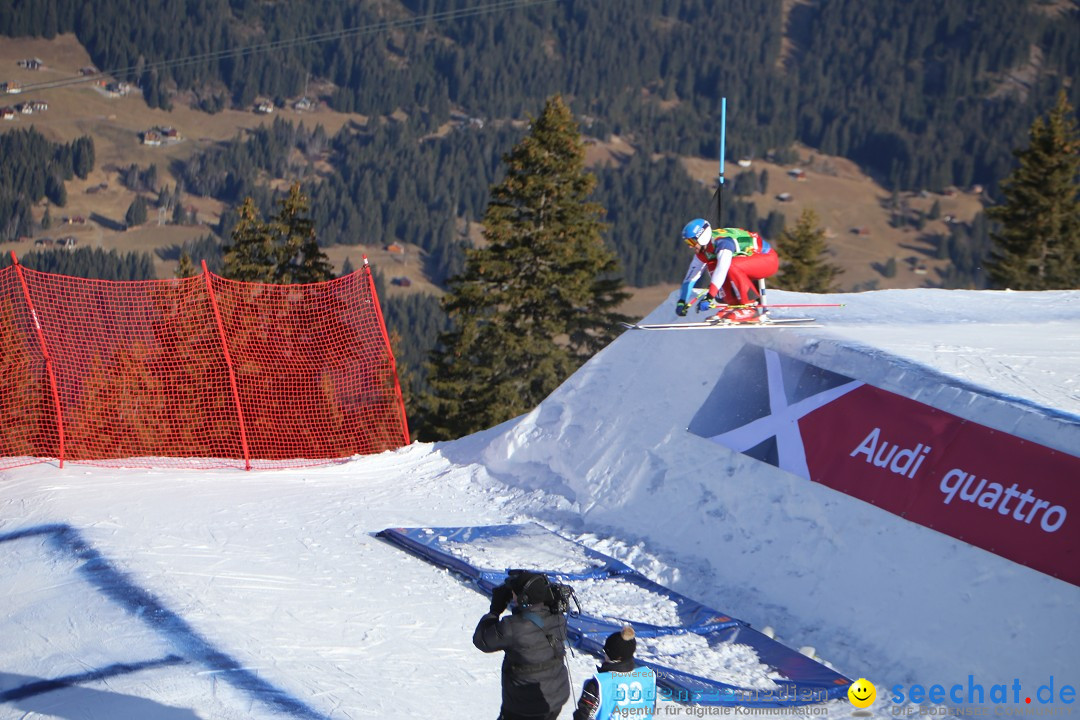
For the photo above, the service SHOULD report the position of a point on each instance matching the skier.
(534, 679)
(737, 260)
(620, 687)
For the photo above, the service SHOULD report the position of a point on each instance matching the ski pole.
(789, 305)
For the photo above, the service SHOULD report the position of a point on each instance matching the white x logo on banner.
(782, 420)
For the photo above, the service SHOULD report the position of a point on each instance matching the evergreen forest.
(922, 94)
(31, 169)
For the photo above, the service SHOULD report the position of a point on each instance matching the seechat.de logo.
(862, 693)
(1053, 692)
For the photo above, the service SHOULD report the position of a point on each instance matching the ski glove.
(500, 598)
(681, 308)
(708, 302)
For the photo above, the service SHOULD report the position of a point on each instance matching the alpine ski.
(775, 323)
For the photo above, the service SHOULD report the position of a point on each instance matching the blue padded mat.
(701, 655)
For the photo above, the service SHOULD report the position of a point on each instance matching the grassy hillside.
(844, 197)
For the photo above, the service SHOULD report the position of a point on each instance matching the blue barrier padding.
(436, 543)
(795, 678)
(801, 680)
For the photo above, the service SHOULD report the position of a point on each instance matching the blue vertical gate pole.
(720, 187)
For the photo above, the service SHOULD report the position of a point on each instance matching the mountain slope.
(278, 572)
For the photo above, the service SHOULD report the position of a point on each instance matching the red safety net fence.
(196, 372)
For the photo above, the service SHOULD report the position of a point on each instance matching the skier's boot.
(740, 315)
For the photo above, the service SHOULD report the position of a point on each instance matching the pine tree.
(83, 156)
(185, 346)
(282, 251)
(347, 267)
(27, 419)
(301, 259)
(55, 190)
(252, 257)
(164, 198)
(889, 268)
(186, 268)
(802, 250)
(538, 300)
(120, 408)
(1038, 245)
(136, 212)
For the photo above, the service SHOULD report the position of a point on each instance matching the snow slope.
(224, 594)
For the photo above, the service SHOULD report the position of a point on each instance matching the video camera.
(534, 588)
(560, 598)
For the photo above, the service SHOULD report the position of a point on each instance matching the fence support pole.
(389, 349)
(229, 364)
(44, 352)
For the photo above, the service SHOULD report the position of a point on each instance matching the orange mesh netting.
(196, 372)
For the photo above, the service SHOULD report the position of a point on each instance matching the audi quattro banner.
(985, 487)
(988, 488)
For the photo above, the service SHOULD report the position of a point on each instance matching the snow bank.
(876, 595)
(278, 571)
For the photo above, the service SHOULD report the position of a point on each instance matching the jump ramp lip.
(1026, 417)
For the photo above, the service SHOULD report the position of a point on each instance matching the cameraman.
(533, 636)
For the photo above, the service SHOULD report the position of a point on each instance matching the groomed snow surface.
(167, 595)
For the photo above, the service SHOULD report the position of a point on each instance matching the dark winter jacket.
(534, 679)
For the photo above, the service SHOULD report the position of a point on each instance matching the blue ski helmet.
(697, 233)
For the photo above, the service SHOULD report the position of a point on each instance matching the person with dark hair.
(533, 638)
(620, 686)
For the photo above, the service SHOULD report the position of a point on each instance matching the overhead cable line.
(314, 39)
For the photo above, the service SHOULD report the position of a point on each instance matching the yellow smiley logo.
(862, 693)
